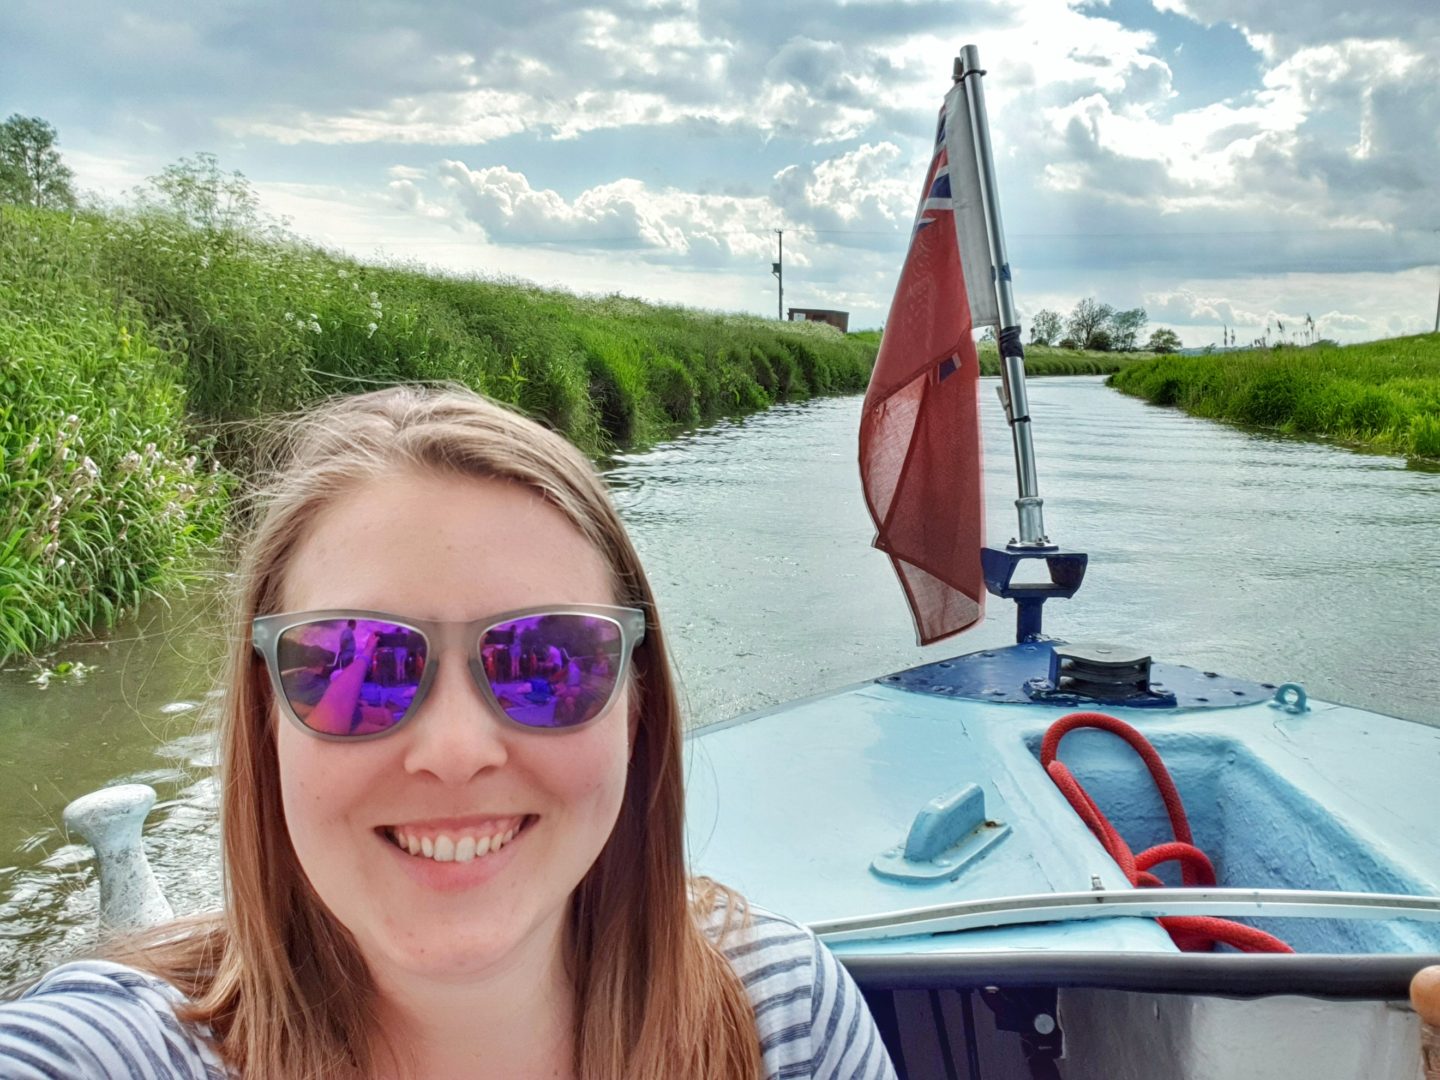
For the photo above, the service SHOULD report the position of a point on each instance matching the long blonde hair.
(277, 980)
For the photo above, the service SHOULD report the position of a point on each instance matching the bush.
(105, 494)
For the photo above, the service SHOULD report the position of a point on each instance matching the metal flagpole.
(1029, 505)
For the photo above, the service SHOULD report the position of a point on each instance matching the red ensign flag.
(920, 460)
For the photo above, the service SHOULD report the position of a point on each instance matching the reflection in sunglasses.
(361, 676)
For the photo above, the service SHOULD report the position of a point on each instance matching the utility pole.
(778, 269)
(1437, 296)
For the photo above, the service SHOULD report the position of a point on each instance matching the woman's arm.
(100, 1020)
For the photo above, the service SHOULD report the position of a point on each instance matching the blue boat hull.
(808, 808)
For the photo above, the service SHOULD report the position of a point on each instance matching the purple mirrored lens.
(552, 671)
(351, 676)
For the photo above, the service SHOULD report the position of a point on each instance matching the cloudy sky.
(1219, 162)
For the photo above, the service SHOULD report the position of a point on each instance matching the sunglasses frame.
(266, 631)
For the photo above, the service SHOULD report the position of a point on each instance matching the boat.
(991, 843)
(1058, 859)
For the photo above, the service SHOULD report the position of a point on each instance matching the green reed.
(137, 348)
(104, 493)
(268, 323)
(1383, 394)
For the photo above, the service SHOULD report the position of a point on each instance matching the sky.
(1218, 162)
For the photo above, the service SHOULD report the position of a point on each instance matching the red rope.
(1190, 933)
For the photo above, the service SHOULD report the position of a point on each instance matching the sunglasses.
(349, 675)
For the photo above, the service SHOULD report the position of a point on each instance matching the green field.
(1382, 395)
(135, 348)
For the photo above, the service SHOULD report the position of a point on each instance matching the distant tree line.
(1100, 327)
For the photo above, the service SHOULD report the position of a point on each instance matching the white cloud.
(650, 136)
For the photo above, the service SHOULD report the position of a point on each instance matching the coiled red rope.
(1191, 933)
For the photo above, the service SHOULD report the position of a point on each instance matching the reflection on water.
(1269, 558)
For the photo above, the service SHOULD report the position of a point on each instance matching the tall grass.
(1050, 360)
(134, 346)
(269, 323)
(103, 494)
(1382, 394)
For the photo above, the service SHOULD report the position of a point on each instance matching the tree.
(31, 172)
(1126, 328)
(1045, 328)
(198, 190)
(1088, 319)
(1163, 340)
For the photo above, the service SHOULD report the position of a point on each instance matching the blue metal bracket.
(1067, 571)
(948, 834)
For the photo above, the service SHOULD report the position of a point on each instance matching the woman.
(434, 876)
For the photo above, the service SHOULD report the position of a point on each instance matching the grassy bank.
(1047, 360)
(131, 344)
(103, 489)
(1384, 395)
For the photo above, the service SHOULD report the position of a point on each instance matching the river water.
(1280, 560)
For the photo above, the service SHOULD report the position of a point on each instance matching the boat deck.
(792, 806)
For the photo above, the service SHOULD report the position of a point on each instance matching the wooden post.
(1425, 996)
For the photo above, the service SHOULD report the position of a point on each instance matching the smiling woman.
(451, 803)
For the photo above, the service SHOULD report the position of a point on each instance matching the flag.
(920, 458)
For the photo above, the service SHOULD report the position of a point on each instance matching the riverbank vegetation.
(105, 490)
(1043, 360)
(137, 345)
(1384, 395)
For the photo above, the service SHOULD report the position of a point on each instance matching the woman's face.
(450, 549)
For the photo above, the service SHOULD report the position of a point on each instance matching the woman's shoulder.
(94, 1018)
(811, 1017)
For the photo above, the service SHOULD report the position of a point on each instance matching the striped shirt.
(96, 1019)
(810, 1015)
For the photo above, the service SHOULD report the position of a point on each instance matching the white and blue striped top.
(98, 1019)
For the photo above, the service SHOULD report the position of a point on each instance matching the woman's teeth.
(447, 848)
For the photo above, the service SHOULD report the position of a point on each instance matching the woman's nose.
(456, 734)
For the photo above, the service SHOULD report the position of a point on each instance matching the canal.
(1259, 556)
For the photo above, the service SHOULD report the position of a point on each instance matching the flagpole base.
(1066, 570)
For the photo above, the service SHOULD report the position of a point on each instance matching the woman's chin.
(462, 952)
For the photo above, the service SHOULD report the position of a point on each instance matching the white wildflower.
(342, 273)
(371, 330)
(91, 469)
(55, 501)
(289, 316)
(60, 562)
(129, 463)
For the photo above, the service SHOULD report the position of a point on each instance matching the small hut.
(838, 319)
